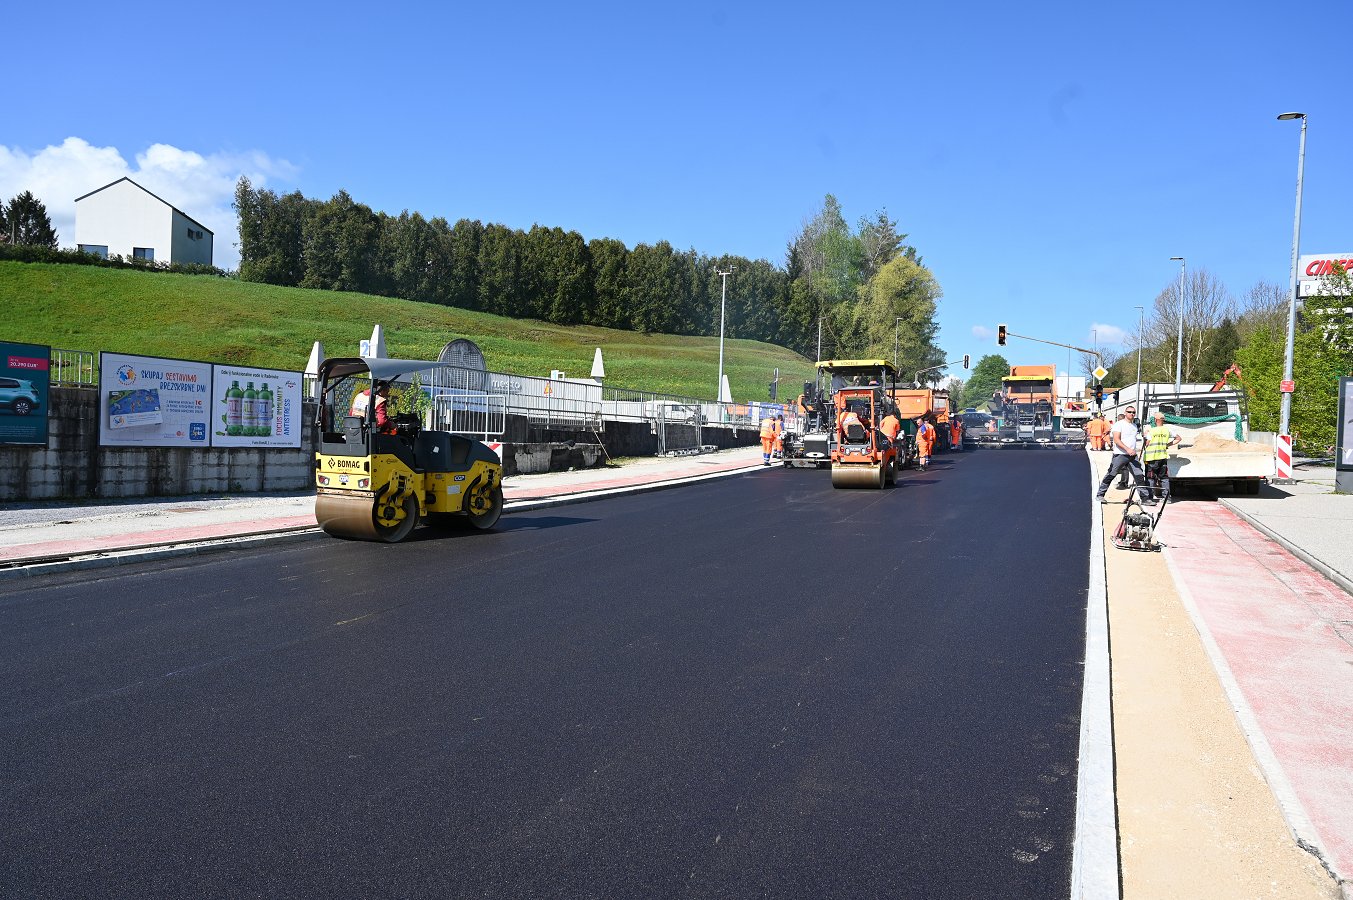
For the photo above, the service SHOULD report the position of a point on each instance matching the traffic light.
(1000, 335)
(1099, 395)
(774, 390)
(967, 358)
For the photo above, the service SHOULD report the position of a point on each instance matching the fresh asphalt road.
(756, 686)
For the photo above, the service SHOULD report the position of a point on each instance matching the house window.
(143, 253)
(190, 232)
(96, 249)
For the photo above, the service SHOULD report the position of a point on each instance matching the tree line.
(842, 289)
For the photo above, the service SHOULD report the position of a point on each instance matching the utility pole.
(1285, 418)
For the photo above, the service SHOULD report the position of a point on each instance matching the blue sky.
(1046, 159)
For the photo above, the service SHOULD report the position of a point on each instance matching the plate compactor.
(1137, 530)
(377, 486)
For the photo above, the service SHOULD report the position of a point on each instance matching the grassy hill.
(225, 321)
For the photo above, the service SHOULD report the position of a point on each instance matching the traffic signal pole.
(1004, 332)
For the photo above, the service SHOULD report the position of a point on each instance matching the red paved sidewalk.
(1285, 635)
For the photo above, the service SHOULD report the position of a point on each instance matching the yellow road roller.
(377, 481)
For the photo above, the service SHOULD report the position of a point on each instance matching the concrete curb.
(1094, 857)
(170, 549)
(1323, 568)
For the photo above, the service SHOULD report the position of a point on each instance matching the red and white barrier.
(1283, 446)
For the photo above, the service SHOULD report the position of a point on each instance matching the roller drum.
(857, 476)
(365, 517)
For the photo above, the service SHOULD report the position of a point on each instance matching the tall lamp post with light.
(1141, 325)
(1285, 419)
(723, 305)
(1179, 345)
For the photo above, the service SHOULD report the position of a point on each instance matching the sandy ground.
(1196, 818)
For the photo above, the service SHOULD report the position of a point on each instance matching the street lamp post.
(1179, 345)
(1285, 420)
(1141, 324)
(896, 362)
(723, 305)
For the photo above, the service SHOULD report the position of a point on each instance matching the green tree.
(985, 379)
(26, 222)
(610, 283)
(272, 232)
(340, 244)
(1220, 351)
(654, 286)
(896, 313)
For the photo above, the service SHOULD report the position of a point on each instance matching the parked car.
(18, 396)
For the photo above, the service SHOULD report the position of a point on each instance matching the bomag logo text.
(354, 464)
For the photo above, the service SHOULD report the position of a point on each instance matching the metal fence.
(480, 415)
(73, 368)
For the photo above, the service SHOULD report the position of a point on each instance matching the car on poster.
(147, 401)
(25, 380)
(256, 407)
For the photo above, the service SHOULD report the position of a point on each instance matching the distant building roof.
(161, 199)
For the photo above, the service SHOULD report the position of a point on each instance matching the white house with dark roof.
(124, 218)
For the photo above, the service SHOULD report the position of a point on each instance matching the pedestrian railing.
(476, 414)
(73, 368)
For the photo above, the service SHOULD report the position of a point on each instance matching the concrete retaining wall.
(73, 466)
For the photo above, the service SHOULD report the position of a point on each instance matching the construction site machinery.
(863, 456)
(1029, 414)
(377, 486)
(812, 444)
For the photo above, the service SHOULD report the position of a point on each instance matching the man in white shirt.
(1123, 442)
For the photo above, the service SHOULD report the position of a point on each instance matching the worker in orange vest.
(767, 439)
(846, 419)
(925, 442)
(891, 426)
(956, 433)
(1094, 431)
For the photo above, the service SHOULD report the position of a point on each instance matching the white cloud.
(201, 186)
(981, 332)
(1105, 335)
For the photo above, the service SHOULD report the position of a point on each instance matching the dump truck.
(1216, 452)
(813, 442)
(378, 485)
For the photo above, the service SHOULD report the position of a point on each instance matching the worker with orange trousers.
(956, 433)
(767, 439)
(1094, 432)
(779, 436)
(925, 442)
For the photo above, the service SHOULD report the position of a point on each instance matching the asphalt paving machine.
(377, 486)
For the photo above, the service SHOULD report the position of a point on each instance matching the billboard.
(145, 401)
(255, 407)
(25, 393)
(1313, 269)
(1343, 454)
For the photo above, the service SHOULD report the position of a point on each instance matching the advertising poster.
(1343, 459)
(25, 381)
(149, 402)
(255, 408)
